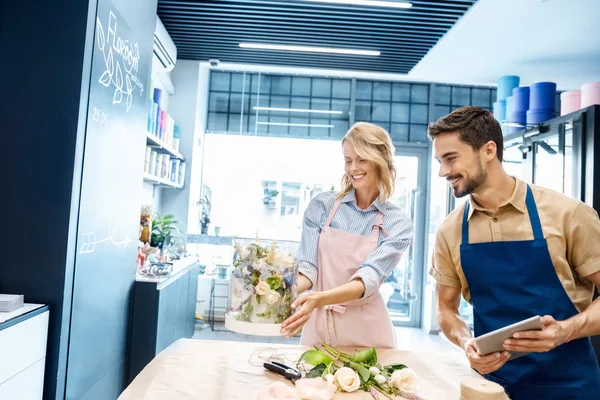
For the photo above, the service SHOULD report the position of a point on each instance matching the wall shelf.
(161, 181)
(156, 143)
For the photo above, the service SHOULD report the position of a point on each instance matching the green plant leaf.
(255, 277)
(281, 291)
(258, 299)
(362, 371)
(317, 371)
(368, 356)
(249, 308)
(315, 357)
(394, 367)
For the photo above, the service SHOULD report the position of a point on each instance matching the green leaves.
(394, 367)
(368, 356)
(258, 251)
(249, 308)
(362, 371)
(317, 371)
(255, 277)
(163, 228)
(314, 358)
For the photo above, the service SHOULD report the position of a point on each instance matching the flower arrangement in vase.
(262, 288)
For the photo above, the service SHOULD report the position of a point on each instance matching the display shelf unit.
(158, 144)
(162, 182)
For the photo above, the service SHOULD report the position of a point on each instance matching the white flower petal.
(347, 379)
(330, 378)
(374, 371)
(405, 379)
(380, 379)
(262, 288)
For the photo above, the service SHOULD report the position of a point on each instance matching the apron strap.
(378, 226)
(332, 213)
(465, 224)
(534, 217)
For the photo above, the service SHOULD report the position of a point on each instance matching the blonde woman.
(351, 242)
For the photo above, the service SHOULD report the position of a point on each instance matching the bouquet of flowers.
(262, 284)
(333, 371)
(360, 371)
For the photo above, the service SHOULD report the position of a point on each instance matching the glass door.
(402, 290)
(553, 161)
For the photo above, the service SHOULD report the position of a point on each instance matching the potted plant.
(163, 230)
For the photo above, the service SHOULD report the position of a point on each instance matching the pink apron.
(357, 323)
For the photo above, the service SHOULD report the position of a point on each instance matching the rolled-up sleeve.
(314, 218)
(443, 269)
(382, 261)
(582, 236)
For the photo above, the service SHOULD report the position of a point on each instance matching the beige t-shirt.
(571, 228)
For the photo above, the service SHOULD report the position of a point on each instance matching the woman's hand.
(304, 307)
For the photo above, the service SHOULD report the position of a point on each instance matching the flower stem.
(380, 390)
(336, 353)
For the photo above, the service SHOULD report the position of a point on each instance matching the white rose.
(374, 371)
(279, 391)
(272, 297)
(405, 379)
(379, 379)
(330, 378)
(347, 379)
(262, 288)
(315, 389)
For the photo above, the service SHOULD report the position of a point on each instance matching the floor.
(413, 339)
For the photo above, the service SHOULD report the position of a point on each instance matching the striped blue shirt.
(350, 218)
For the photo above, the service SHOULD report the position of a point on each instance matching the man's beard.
(471, 184)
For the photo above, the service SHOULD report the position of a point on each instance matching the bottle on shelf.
(176, 138)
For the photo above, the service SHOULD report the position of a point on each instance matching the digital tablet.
(493, 342)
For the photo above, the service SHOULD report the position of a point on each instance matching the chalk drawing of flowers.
(114, 73)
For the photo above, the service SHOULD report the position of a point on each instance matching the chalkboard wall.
(74, 114)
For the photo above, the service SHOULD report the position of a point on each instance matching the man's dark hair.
(474, 125)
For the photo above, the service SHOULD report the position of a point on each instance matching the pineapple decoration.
(145, 224)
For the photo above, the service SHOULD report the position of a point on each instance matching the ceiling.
(214, 29)
(538, 40)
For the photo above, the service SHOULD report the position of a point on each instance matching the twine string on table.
(262, 355)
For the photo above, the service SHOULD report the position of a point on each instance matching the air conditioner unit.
(164, 48)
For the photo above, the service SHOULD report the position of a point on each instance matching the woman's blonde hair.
(372, 143)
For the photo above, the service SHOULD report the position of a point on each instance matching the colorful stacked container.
(500, 110)
(520, 105)
(570, 101)
(590, 94)
(509, 106)
(542, 102)
(506, 84)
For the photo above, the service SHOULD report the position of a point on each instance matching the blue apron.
(513, 281)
